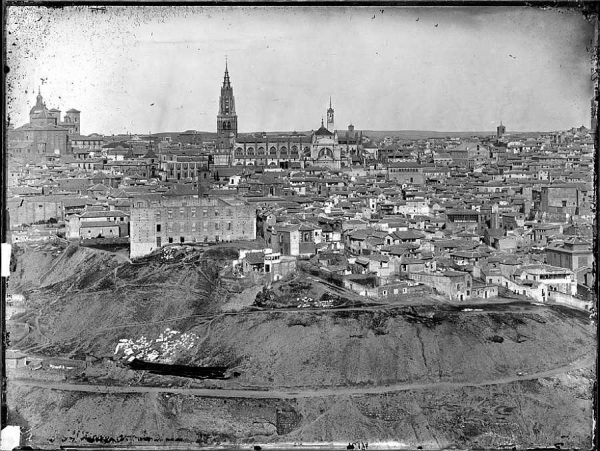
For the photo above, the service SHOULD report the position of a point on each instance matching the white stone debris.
(164, 349)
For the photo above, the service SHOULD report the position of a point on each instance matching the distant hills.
(380, 134)
(423, 134)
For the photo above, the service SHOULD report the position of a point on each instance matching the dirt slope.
(522, 414)
(76, 297)
(45, 264)
(383, 347)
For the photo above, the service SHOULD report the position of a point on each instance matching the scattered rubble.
(164, 349)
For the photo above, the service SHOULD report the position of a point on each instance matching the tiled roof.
(99, 224)
(103, 214)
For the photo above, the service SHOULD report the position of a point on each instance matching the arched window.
(239, 152)
(261, 151)
(326, 153)
(272, 151)
(250, 151)
(283, 150)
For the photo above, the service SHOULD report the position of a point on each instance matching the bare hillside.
(431, 375)
(82, 300)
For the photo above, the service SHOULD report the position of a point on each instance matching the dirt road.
(585, 362)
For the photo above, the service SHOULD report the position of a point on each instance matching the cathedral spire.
(226, 81)
(226, 118)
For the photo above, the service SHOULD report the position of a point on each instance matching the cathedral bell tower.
(330, 125)
(226, 119)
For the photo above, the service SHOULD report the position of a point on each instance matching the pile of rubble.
(167, 253)
(163, 349)
(308, 302)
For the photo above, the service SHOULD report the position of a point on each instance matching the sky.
(157, 69)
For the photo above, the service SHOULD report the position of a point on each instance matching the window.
(158, 227)
(169, 214)
(216, 212)
(193, 212)
(216, 226)
(158, 241)
(170, 239)
(229, 225)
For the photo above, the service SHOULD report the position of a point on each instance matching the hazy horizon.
(153, 69)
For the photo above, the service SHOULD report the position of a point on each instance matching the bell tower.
(330, 125)
(226, 119)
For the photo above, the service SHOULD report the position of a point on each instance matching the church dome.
(39, 109)
(39, 113)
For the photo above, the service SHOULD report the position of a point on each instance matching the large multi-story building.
(45, 136)
(574, 253)
(182, 165)
(562, 200)
(41, 115)
(158, 220)
(406, 173)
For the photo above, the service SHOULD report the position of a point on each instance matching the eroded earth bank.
(423, 373)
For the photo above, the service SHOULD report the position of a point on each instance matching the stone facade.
(406, 173)
(454, 284)
(294, 150)
(160, 220)
(45, 135)
(34, 209)
(573, 254)
(562, 198)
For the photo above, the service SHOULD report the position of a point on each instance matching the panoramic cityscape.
(373, 283)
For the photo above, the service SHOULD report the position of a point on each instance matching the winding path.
(584, 362)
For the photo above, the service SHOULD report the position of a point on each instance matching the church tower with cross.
(226, 118)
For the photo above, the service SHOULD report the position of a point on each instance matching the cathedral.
(321, 148)
(41, 115)
(45, 136)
